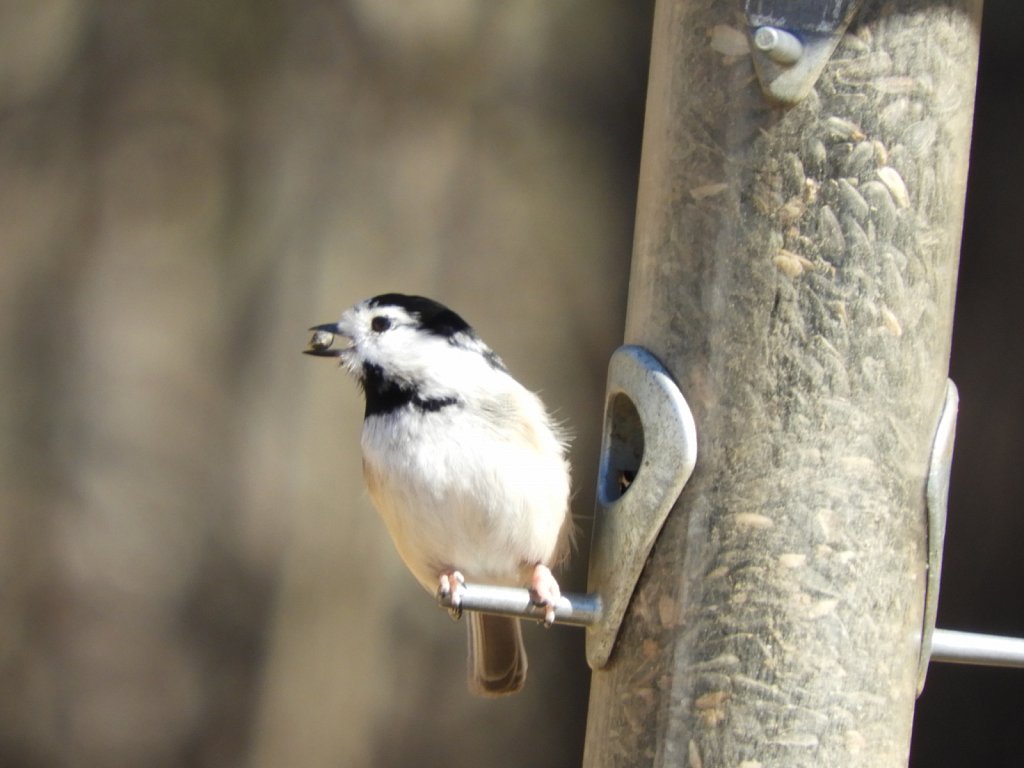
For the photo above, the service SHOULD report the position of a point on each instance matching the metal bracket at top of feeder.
(791, 41)
(648, 451)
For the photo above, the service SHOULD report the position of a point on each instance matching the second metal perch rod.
(585, 610)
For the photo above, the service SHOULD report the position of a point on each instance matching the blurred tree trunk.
(191, 573)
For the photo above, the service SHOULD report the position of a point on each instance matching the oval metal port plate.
(648, 451)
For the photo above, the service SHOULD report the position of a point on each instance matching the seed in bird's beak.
(322, 340)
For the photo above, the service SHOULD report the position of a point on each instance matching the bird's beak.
(323, 339)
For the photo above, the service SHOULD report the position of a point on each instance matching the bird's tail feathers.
(497, 656)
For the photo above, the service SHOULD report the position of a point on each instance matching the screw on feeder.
(791, 42)
(780, 46)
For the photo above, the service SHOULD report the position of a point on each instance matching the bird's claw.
(451, 585)
(549, 617)
(544, 591)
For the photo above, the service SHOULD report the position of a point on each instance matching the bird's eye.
(380, 323)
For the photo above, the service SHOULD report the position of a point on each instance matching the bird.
(465, 465)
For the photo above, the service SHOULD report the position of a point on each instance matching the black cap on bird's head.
(433, 316)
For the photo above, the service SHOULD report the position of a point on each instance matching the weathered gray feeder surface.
(794, 268)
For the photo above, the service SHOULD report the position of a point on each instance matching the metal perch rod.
(580, 610)
(571, 609)
(972, 648)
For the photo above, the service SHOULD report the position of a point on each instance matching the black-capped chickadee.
(464, 464)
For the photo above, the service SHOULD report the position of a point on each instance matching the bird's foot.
(544, 591)
(451, 585)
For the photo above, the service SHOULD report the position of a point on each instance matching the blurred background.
(190, 571)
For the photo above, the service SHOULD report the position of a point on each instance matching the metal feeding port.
(648, 452)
